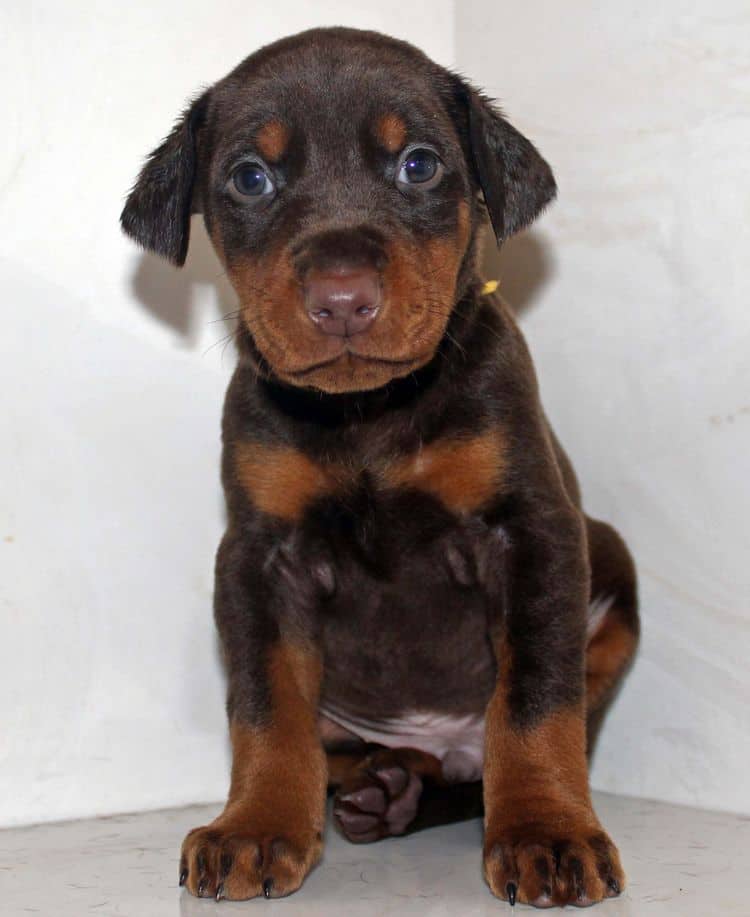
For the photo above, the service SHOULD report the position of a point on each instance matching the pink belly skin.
(456, 741)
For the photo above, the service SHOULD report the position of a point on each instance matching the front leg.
(543, 842)
(270, 833)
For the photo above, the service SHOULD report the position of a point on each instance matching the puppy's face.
(338, 196)
(338, 174)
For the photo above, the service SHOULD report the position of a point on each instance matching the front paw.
(238, 859)
(554, 862)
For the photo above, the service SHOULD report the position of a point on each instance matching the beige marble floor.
(680, 861)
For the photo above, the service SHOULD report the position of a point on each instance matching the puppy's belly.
(457, 741)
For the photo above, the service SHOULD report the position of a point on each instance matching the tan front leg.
(543, 842)
(270, 833)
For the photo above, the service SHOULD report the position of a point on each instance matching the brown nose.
(342, 302)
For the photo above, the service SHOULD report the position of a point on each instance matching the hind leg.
(394, 791)
(613, 626)
(382, 791)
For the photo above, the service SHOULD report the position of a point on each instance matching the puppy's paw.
(552, 863)
(379, 802)
(238, 860)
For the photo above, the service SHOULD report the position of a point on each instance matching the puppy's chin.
(350, 372)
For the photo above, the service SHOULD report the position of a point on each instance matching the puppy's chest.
(405, 638)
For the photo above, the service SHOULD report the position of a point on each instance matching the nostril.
(344, 302)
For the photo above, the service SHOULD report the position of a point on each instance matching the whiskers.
(233, 317)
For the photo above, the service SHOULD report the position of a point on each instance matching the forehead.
(334, 91)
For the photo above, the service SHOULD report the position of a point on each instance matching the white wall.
(111, 696)
(111, 693)
(639, 320)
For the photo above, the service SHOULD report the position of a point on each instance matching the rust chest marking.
(281, 481)
(464, 473)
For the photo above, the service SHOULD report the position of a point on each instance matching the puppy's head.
(340, 175)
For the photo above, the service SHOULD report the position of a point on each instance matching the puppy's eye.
(250, 182)
(420, 167)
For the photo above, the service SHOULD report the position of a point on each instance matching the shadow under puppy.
(409, 596)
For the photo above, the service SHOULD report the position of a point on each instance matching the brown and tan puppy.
(413, 606)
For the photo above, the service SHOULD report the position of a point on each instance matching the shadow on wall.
(172, 294)
(175, 297)
(524, 265)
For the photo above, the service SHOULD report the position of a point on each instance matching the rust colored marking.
(534, 772)
(272, 140)
(341, 766)
(609, 652)
(288, 751)
(350, 768)
(391, 132)
(463, 473)
(280, 480)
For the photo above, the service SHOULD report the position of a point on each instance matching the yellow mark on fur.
(490, 287)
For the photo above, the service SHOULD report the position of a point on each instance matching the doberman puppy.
(414, 608)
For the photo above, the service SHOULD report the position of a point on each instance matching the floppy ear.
(515, 180)
(157, 211)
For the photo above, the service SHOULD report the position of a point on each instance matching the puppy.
(405, 586)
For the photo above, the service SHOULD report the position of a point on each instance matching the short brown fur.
(394, 493)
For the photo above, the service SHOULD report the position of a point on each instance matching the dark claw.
(511, 890)
(201, 887)
(267, 886)
(614, 885)
(576, 867)
(183, 876)
(220, 891)
(226, 864)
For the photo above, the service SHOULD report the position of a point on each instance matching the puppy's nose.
(342, 302)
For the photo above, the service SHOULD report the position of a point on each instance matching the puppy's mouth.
(351, 356)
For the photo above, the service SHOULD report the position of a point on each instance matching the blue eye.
(420, 167)
(250, 180)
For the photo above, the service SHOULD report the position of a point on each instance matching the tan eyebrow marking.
(272, 140)
(391, 131)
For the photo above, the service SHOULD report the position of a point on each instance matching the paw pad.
(378, 803)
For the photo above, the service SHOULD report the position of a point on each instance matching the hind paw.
(379, 801)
